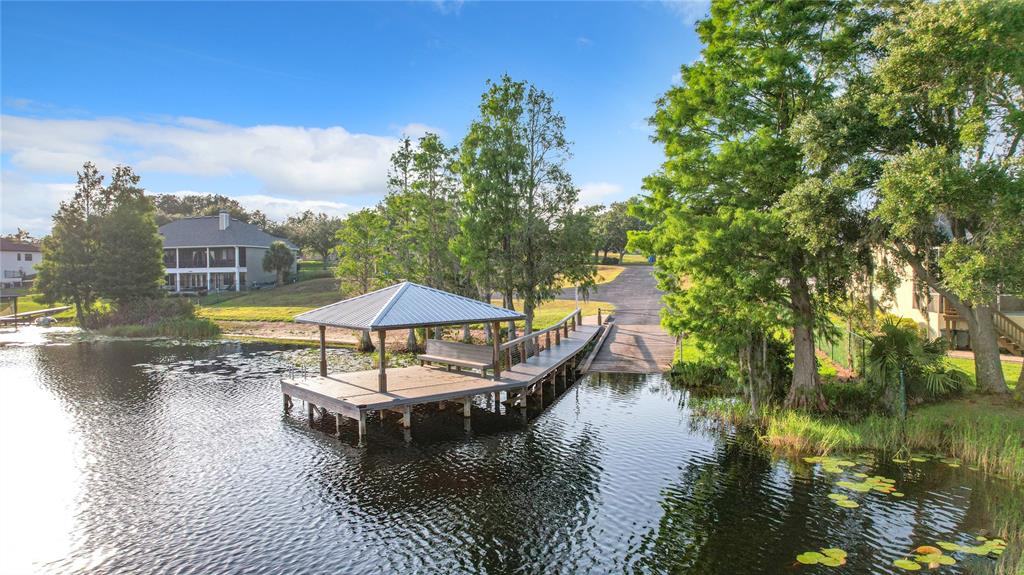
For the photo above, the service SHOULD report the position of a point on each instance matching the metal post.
(323, 351)
(496, 347)
(382, 377)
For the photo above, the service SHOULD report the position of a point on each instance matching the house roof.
(9, 245)
(205, 231)
(406, 305)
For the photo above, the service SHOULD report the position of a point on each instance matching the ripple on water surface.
(169, 458)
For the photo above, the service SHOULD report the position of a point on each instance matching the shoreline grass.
(178, 328)
(980, 430)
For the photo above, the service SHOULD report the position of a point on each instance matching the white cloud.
(688, 10)
(417, 131)
(28, 204)
(593, 193)
(278, 208)
(584, 42)
(318, 163)
(449, 6)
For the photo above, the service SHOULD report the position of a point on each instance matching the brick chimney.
(225, 220)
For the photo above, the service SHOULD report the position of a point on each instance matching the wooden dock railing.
(530, 344)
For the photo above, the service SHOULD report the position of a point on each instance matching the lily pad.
(935, 559)
(834, 553)
(828, 557)
(918, 459)
(907, 564)
(928, 550)
(810, 558)
(847, 503)
(837, 496)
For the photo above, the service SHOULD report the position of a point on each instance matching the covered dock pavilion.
(515, 365)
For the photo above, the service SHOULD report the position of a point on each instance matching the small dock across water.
(354, 394)
(519, 368)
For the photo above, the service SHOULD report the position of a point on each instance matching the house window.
(241, 257)
(28, 257)
(193, 258)
(222, 257)
(19, 256)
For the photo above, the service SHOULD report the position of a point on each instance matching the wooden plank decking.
(352, 394)
(633, 348)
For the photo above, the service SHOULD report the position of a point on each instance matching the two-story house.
(935, 315)
(216, 253)
(18, 261)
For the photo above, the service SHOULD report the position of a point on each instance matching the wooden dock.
(355, 394)
(635, 348)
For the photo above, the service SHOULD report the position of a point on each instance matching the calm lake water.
(131, 457)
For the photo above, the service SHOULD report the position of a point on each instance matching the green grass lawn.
(553, 311)
(32, 302)
(605, 274)
(284, 303)
(1011, 370)
(631, 259)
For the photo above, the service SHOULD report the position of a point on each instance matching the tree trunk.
(79, 313)
(510, 304)
(805, 389)
(988, 368)
(365, 341)
(411, 345)
(528, 324)
(488, 335)
(323, 259)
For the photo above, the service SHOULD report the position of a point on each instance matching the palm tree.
(278, 259)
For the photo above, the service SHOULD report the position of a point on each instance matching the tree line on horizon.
(812, 152)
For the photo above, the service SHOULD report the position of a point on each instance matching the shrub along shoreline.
(165, 317)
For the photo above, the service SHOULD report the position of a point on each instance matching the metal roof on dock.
(406, 305)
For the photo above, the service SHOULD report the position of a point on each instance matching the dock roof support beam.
(382, 378)
(323, 351)
(496, 347)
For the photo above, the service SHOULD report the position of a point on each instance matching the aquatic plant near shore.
(982, 432)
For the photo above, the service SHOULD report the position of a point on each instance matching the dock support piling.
(309, 411)
(337, 424)
(362, 426)
(287, 402)
(407, 416)
(467, 404)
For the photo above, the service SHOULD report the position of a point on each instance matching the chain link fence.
(848, 349)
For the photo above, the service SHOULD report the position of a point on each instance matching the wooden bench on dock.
(451, 353)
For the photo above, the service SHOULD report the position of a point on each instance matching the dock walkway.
(637, 343)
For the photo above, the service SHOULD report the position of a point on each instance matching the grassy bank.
(180, 328)
(284, 303)
(982, 431)
(1011, 370)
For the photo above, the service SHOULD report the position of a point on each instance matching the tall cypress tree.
(753, 242)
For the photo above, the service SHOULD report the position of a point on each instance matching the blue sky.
(294, 106)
